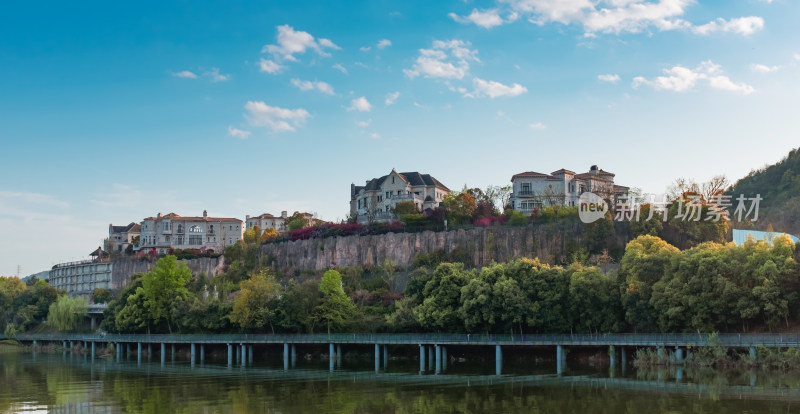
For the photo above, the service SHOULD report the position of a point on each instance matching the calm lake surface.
(67, 383)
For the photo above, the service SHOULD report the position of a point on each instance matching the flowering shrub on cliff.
(490, 221)
(346, 229)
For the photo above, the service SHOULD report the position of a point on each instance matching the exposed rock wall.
(480, 246)
(123, 269)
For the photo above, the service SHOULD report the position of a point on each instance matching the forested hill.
(779, 186)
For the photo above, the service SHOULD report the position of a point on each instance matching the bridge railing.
(625, 339)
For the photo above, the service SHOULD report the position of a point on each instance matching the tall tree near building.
(335, 307)
(162, 285)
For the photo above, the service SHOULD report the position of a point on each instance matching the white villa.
(162, 232)
(267, 221)
(375, 200)
(120, 237)
(563, 187)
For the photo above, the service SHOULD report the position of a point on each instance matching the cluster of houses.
(374, 201)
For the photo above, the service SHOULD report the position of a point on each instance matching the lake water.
(72, 383)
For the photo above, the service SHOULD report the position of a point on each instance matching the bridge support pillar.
(244, 354)
(163, 353)
(438, 358)
(444, 358)
(250, 354)
(612, 356)
(294, 355)
(623, 355)
(286, 356)
(422, 358)
(679, 355)
(127, 350)
(561, 359)
(498, 359)
(172, 353)
(377, 357)
(230, 354)
(753, 353)
(202, 353)
(660, 353)
(94, 323)
(192, 353)
(64, 345)
(430, 358)
(339, 355)
(331, 356)
(93, 349)
(139, 352)
(385, 356)
(119, 351)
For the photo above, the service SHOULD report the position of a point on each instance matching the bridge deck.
(727, 340)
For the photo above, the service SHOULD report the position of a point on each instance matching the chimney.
(283, 214)
(205, 214)
(352, 189)
(158, 215)
(593, 170)
(247, 217)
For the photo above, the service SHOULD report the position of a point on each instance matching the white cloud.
(340, 68)
(538, 126)
(360, 104)
(270, 66)
(759, 68)
(743, 25)
(6, 197)
(291, 42)
(238, 133)
(365, 48)
(626, 16)
(375, 135)
(494, 89)
(364, 124)
(486, 19)
(447, 59)
(216, 76)
(391, 98)
(681, 79)
(610, 78)
(185, 74)
(277, 119)
(383, 43)
(309, 85)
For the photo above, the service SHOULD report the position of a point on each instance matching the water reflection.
(76, 385)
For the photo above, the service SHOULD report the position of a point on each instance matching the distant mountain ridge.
(779, 186)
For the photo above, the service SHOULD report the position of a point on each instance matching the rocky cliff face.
(480, 246)
(123, 269)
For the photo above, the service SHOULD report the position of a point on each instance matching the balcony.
(524, 193)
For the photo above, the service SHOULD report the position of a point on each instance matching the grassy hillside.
(779, 186)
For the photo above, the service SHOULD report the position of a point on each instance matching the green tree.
(645, 261)
(335, 307)
(404, 208)
(67, 313)
(441, 302)
(297, 306)
(254, 308)
(162, 285)
(101, 295)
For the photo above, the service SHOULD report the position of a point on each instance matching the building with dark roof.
(120, 237)
(375, 200)
(531, 190)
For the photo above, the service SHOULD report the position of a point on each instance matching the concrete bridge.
(432, 347)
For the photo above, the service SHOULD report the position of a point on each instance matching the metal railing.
(725, 340)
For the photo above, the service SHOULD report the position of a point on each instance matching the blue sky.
(111, 112)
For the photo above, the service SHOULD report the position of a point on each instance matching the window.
(392, 180)
(180, 228)
(195, 229)
(388, 194)
(195, 240)
(211, 229)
